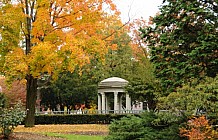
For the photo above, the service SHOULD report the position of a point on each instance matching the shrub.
(199, 129)
(76, 118)
(10, 118)
(147, 126)
(128, 128)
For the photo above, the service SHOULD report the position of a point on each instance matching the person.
(48, 111)
(65, 109)
(58, 107)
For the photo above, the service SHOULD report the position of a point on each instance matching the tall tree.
(43, 36)
(118, 59)
(183, 41)
(71, 89)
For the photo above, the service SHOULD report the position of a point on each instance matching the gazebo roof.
(113, 82)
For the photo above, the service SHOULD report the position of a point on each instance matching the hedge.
(77, 119)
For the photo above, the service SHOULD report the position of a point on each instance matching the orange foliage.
(199, 129)
(64, 33)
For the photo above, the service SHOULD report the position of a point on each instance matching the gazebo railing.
(74, 112)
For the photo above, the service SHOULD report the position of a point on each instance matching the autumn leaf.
(63, 128)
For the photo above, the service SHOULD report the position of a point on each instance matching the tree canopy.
(39, 37)
(183, 41)
(194, 97)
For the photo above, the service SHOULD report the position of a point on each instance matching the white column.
(130, 103)
(103, 102)
(115, 101)
(99, 103)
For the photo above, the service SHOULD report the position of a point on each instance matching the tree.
(119, 57)
(47, 37)
(194, 98)
(14, 92)
(199, 129)
(143, 91)
(70, 89)
(142, 83)
(183, 41)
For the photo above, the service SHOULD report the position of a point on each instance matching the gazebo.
(114, 85)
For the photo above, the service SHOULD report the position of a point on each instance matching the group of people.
(63, 109)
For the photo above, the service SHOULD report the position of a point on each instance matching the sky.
(137, 8)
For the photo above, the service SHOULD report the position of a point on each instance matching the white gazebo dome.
(113, 82)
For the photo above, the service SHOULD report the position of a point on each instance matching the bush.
(199, 128)
(76, 118)
(148, 126)
(128, 128)
(10, 118)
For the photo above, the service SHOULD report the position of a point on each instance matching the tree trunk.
(30, 100)
(31, 85)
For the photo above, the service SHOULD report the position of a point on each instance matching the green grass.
(75, 137)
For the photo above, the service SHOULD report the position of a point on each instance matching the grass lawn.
(76, 137)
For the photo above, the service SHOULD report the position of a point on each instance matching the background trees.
(194, 98)
(70, 89)
(183, 41)
(120, 61)
(15, 92)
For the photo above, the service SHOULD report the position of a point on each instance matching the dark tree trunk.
(31, 85)
(30, 100)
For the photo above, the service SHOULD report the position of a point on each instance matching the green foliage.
(11, 118)
(140, 91)
(148, 126)
(77, 119)
(194, 97)
(183, 41)
(71, 89)
(118, 63)
(3, 100)
(128, 128)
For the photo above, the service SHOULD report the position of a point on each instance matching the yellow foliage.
(15, 64)
(93, 108)
(43, 58)
(63, 34)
